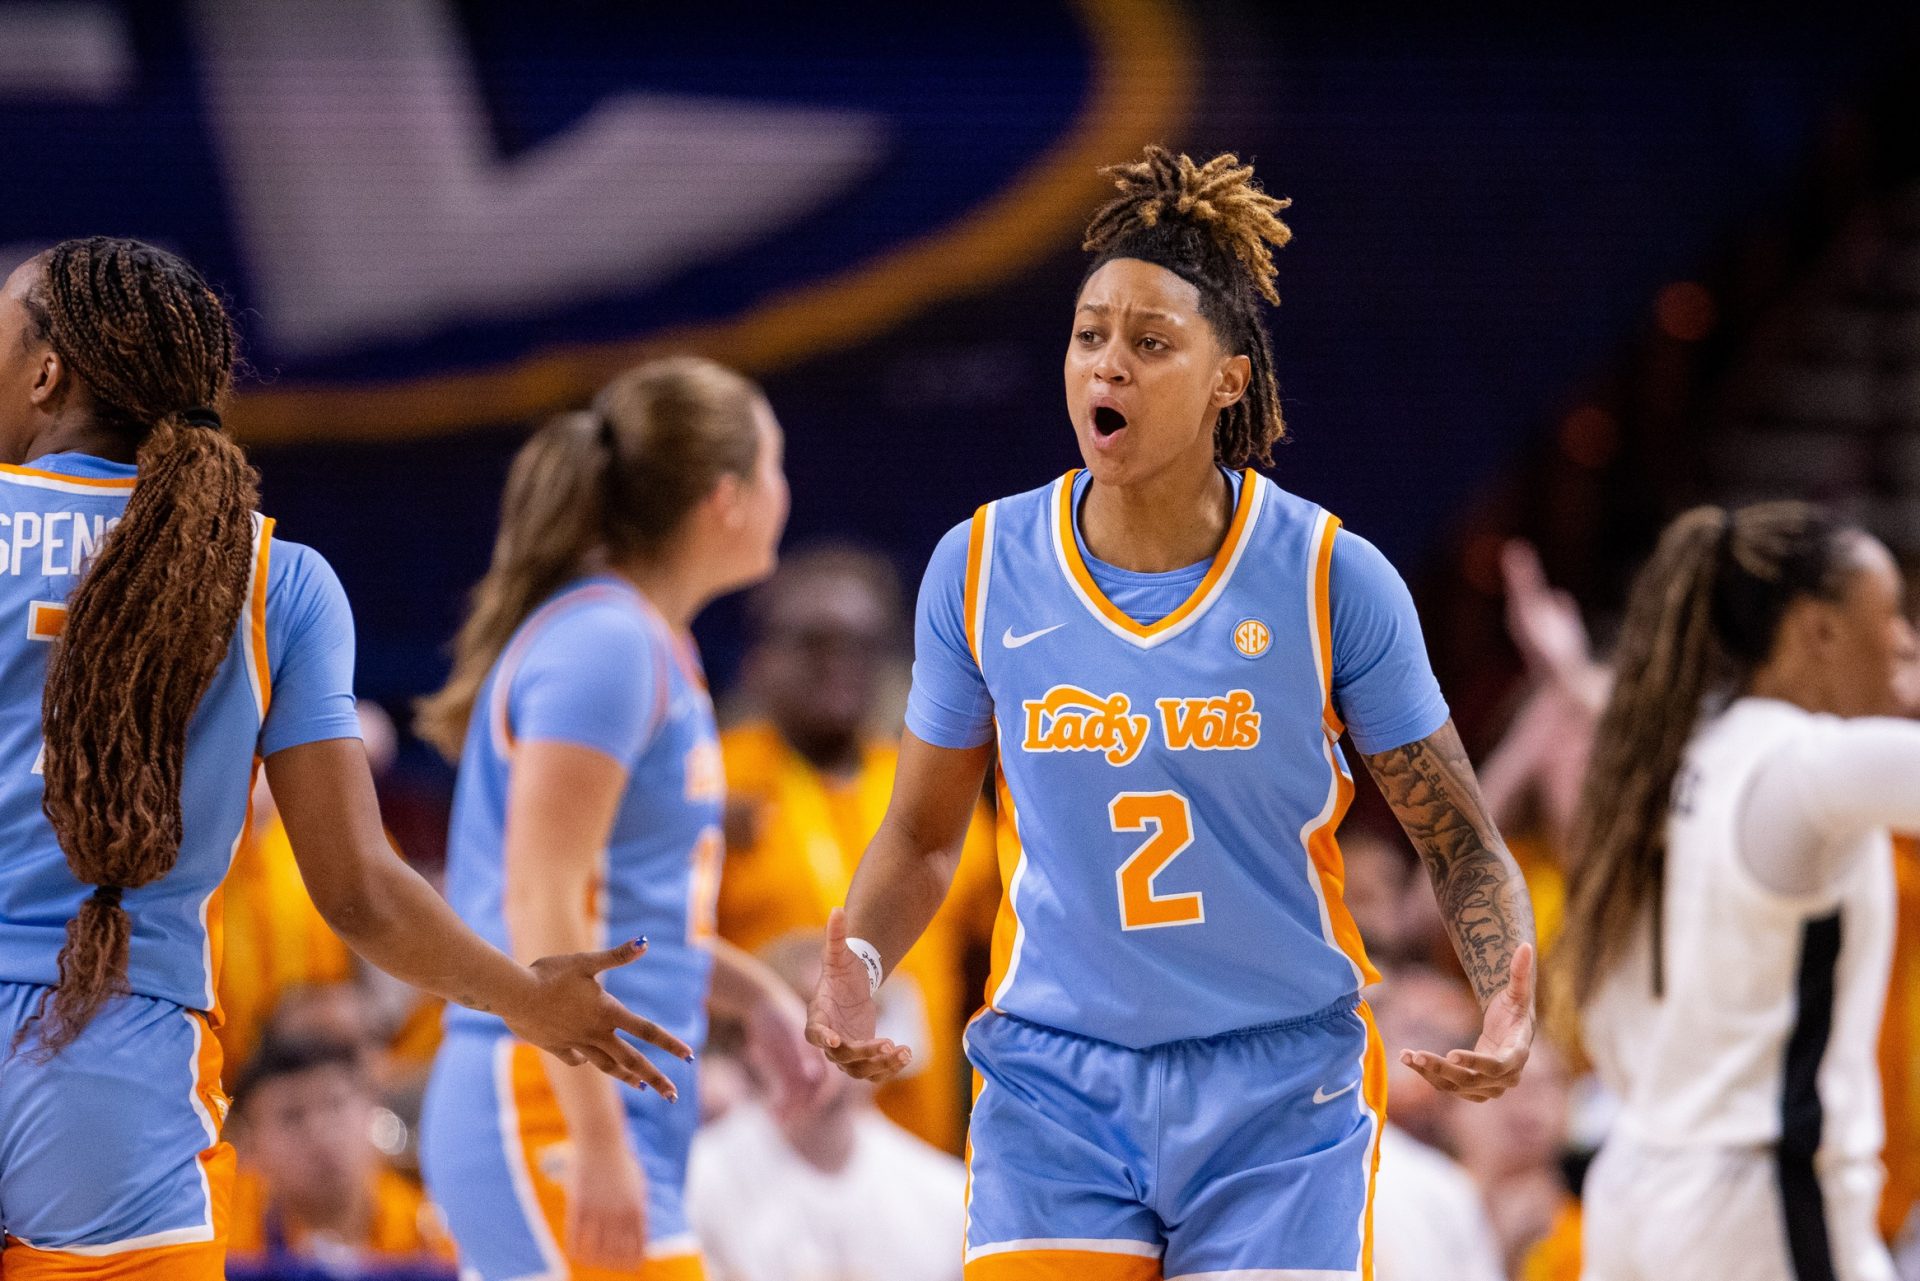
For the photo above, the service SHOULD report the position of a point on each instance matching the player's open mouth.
(1107, 420)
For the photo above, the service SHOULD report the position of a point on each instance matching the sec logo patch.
(1251, 637)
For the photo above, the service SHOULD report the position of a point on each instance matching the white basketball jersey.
(1770, 1019)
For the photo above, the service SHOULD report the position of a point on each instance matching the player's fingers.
(1520, 977)
(1496, 1066)
(822, 1036)
(879, 1068)
(861, 1051)
(614, 957)
(637, 1069)
(836, 931)
(650, 1032)
(570, 1057)
(1448, 1076)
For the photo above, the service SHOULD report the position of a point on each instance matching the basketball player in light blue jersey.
(159, 644)
(589, 801)
(1175, 1074)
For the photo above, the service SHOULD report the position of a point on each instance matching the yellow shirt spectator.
(797, 838)
(274, 938)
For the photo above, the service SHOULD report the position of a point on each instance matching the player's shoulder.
(299, 577)
(594, 620)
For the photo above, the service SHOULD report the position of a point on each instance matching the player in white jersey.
(1731, 919)
(1177, 1077)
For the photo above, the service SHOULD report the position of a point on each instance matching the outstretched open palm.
(843, 1015)
(1492, 1066)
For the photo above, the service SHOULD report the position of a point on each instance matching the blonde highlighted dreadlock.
(1211, 225)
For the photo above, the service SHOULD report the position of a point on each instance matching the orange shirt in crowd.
(274, 939)
(1556, 1257)
(790, 862)
(1899, 1046)
(404, 1224)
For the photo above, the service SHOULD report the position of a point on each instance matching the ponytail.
(1702, 613)
(155, 610)
(551, 516)
(613, 482)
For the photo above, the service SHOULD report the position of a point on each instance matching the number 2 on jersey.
(1167, 816)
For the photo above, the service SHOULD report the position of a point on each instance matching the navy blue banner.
(435, 214)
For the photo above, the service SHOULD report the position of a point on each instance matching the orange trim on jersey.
(1324, 849)
(262, 670)
(1062, 1265)
(200, 1261)
(1323, 622)
(106, 483)
(970, 599)
(1077, 564)
(544, 1149)
(1373, 1089)
(1006, 920)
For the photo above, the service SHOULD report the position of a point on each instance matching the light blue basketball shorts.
(1248, 1154)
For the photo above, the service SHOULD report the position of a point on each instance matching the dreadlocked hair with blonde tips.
(155, 610)
(1702, 614)
(1211, 225)
(605, 485)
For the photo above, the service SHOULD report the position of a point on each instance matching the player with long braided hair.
(162, 643)
(1176, 1075)
(1731, 913)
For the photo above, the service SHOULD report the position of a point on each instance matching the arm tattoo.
(1432, 790)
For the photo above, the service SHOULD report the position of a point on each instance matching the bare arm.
(561, 802)
(901, 882)
(388, 914)
(1431, 788)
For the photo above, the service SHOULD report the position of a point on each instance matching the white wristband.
(870, 957)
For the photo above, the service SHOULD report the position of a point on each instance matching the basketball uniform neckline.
(1209, 576)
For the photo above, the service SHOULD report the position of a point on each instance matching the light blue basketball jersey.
(1169, 791)
(597, 666)
(287, 679)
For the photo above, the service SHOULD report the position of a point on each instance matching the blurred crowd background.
(1555, 278)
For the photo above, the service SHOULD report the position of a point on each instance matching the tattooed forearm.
(1431, 787)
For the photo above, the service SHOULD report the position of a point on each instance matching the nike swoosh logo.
(1015, 642)
(1321, 1096)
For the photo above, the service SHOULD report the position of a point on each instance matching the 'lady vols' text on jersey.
(1175, 975)
(1197, 754)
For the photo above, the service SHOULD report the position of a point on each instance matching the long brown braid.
(155, 611)
(1213, 226)
(609, 484)
(1702, 614)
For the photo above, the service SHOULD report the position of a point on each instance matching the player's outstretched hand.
(1491, 1067)
(570, 1016)
(843, 1016)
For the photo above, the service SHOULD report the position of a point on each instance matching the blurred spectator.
(1390, 899)
(1428, 1221)
(807, 786)
(1531, 780)
(832, 1192)
(313, 1192)
(1900, 1066)
(1514, 1147)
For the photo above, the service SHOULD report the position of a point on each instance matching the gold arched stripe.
(1142, 83)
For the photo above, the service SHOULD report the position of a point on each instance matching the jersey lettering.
(1221, 724)
(1069, 719)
